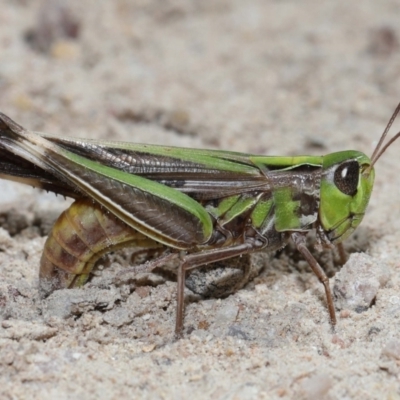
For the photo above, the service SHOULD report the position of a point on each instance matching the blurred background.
(202, 73)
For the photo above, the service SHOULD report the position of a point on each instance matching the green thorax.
(287, 200)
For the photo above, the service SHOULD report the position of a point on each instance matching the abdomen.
(81, 235)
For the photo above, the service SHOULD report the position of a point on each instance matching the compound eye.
(346, 177)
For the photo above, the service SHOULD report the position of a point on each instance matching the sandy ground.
(267, 77)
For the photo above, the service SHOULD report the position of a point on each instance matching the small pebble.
(392, 349)
(316, 387)
(357, 283)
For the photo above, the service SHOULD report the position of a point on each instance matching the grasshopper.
(203, 205)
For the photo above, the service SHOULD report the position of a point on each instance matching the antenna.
(379, 150)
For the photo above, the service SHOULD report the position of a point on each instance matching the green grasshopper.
(204, 205)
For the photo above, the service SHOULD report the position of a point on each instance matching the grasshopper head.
(346, 186)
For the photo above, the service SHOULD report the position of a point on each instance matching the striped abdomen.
(81, 235)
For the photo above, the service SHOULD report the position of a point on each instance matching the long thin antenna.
(376, 158)
(378, 152)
